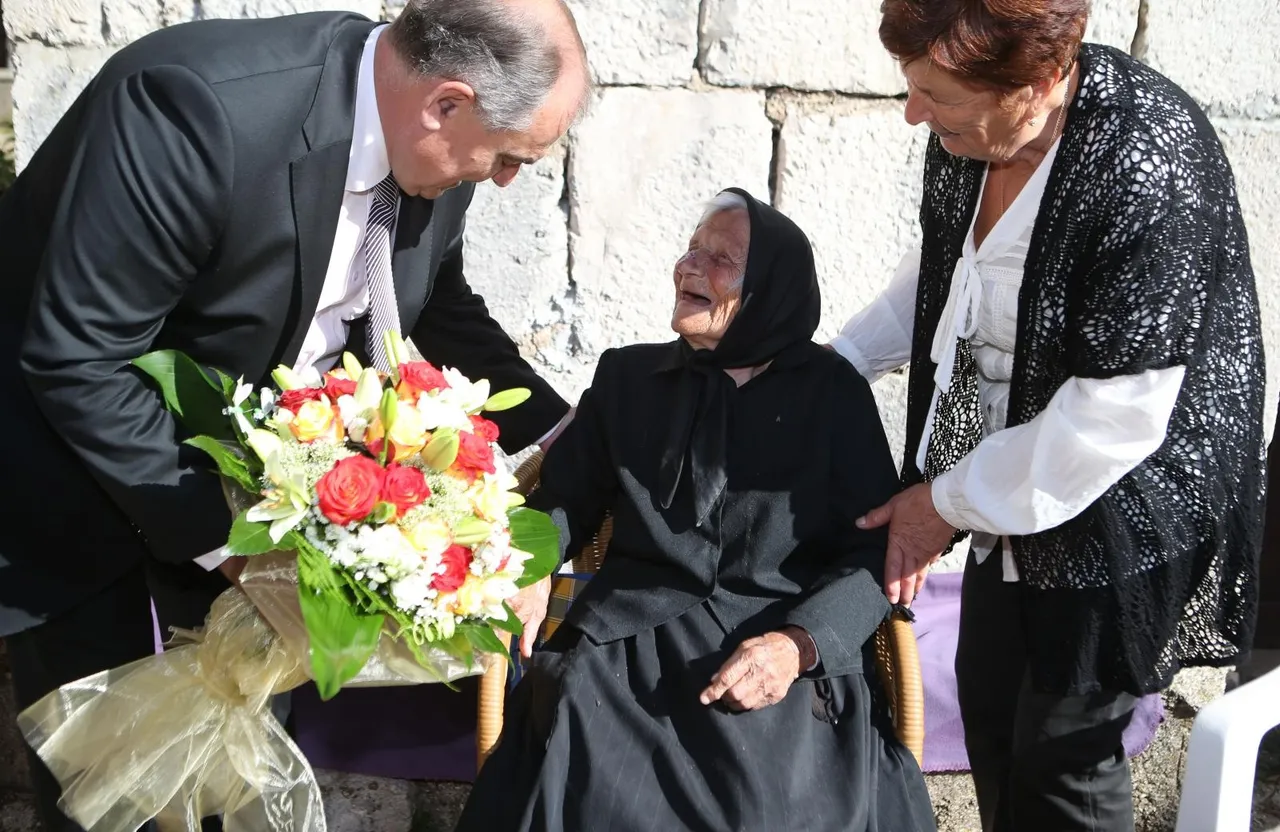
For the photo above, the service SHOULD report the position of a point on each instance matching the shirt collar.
(368, 164)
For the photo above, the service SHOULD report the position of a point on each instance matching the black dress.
(606, 731)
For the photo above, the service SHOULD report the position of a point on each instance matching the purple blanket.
(937, 626)
(418, 732)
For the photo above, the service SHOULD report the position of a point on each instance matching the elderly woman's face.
(970, 121)
(708, 278)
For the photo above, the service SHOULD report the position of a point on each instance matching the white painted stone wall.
(791, 99)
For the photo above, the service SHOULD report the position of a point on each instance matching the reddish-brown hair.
(1003, 44)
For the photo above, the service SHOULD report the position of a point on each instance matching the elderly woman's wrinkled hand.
(758, 674)
(917, 536)
(530, 606)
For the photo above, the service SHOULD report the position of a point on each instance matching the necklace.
(1062, 111)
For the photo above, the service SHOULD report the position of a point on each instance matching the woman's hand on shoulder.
(757, 675)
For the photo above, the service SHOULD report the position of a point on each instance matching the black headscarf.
(778, 315)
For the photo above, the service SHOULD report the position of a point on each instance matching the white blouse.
(1033, 476)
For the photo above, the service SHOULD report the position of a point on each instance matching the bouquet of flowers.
(383, 541)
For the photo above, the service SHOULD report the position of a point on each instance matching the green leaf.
(507, 399)
(511, 623)
(342, 640)
(533, 532)
(225, 383)
(458, 647)
(249, 538)
(229, 459)
(188, 392)
(483, 638)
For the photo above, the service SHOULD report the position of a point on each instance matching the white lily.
(285, 507)
(463, 393)
(439, 411)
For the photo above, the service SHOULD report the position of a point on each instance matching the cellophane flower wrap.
(384, 539)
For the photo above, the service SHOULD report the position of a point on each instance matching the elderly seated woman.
(714, 674)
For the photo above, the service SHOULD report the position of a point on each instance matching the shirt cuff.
(845, 347)
(213, 559)
(945, 499)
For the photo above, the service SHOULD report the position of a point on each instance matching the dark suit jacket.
(188, 200)
(806, 455)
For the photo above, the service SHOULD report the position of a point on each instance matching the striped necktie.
(376, 247)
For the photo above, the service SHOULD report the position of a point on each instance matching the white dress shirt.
(1033, 476)
(345, 293)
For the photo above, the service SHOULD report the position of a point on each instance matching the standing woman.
(1086, 393)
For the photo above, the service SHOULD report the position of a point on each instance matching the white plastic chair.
(1222, 756)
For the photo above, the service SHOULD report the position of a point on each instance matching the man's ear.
(447, 100)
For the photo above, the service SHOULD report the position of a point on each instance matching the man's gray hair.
(501, 52)
(723, 201)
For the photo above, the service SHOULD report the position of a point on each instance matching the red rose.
(485, 429)
(335, 387)
(422, 377)
(457, 561)
(405, 486)
(474, 456)
(291, 400)
(350, 490)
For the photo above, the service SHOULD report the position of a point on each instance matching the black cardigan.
(1138, 261)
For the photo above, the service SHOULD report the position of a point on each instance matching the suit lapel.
(411, 257)
(318, 178)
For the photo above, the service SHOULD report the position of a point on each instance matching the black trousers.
(1040, 762)
(109, 629)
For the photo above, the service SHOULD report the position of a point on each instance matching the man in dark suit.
(253, 193)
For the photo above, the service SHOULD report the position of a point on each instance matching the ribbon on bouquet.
(183, 735)
(190, 734)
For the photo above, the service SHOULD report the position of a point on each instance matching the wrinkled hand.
(232, 567)
(917, 536)
(546, 444)
(758, 674)
(530, 606)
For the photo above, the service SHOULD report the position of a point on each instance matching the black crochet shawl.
(1138, 261)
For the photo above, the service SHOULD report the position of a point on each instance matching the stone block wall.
(792, 100)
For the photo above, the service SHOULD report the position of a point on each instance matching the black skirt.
(612, 737)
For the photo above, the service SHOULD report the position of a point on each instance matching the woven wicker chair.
(897, 662)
